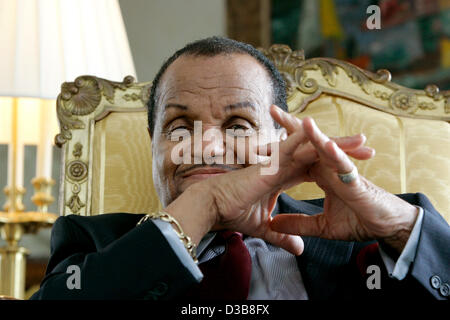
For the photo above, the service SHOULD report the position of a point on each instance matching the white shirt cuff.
(399, 269)
(178, 247)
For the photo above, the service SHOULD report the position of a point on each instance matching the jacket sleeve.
(138, 265)
(432, 258)
(431, 265)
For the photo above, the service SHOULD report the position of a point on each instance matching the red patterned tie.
(227, 276)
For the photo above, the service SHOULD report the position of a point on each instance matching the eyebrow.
(238, 105)
(176, 106)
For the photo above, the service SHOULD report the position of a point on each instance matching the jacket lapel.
(322, 262)
(321, 266)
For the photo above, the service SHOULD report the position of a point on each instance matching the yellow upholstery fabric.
(122, 171)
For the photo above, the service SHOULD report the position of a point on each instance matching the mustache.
(182, 170)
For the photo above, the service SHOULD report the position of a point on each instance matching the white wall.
(157, 28)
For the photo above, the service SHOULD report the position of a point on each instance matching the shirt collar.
(204, 243)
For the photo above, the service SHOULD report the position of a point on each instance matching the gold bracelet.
(185, 239)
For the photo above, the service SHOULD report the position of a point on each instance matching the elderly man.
(241, 237)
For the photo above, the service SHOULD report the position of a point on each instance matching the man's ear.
(150, 135)
(149, 132)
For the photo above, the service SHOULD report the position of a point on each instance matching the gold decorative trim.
(77, 170)
(131, 97)
(301, 77)
(286, 61)
(433, 92)
(79, 106)
(77, 150)
(74, 202)
(145, 93)
(81, 98)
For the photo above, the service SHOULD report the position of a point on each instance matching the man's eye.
(178, 128)
(239, 130)
(238, 126)
(178, 132)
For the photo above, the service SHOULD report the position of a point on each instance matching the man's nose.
(212, 148)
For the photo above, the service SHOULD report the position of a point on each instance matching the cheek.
(163, 162)
(163, 171)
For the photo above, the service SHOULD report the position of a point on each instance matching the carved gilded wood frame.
(88, 99)
(79, 105)
(307, 79)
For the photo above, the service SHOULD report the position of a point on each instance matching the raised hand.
(357, 210)
(242, 200)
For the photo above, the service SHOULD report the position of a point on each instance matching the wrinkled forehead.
(231, 76)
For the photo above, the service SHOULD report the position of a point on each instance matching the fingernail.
(278, 109)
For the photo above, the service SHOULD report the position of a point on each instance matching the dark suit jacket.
(121, 261)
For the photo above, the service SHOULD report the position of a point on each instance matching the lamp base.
(12, 257)
(14, 196)
(12, 270)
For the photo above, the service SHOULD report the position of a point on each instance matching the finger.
(339, 158)
(282, 153)
(362, 153)
(317, 137)
(264, 149)
(350, 142)
(285, 147)
(299, 224)
(347, 143)
(251, 149)
(353, 146)
(305, 154)
(287, 121)
(293, 141)
(291, 243)
(267, 148)
(290, 123)
(327, 148)
(254, 152)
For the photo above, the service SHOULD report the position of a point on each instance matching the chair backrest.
(107, 154)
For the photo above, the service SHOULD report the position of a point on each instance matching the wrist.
(194, 211)
(403, 229)
(185, 239)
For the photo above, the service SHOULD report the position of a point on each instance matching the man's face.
(226, 96)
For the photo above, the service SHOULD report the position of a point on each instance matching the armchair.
(106, 148)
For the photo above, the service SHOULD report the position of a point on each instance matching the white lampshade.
(5, 120)
(44, 43)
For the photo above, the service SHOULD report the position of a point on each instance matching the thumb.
(290, 243)
(299, 224)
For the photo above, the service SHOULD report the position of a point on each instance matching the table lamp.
(43, 44)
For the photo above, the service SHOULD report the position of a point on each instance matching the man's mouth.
(203, 173)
